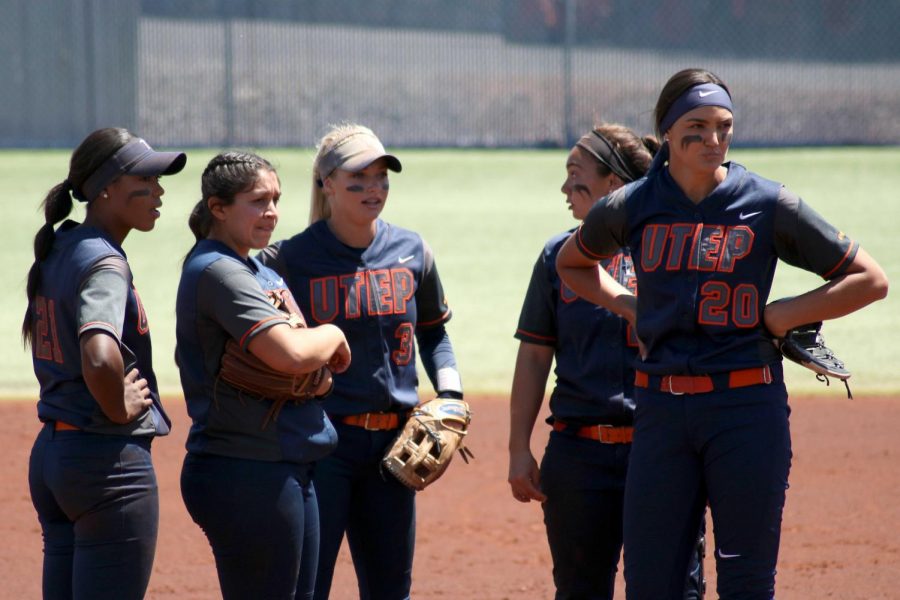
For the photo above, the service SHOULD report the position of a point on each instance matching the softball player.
(91, 476)
(581, 480)
(711, 419)
(246, 481)
(379, 284)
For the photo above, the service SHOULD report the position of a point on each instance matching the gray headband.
(134, 158)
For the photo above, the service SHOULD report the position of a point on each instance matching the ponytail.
(57, 206)
(90, 154)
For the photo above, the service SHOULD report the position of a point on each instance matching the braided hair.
(226, 175)
(90, 154)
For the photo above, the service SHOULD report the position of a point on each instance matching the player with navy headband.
(711, 418)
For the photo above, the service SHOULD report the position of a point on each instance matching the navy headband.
(134, 158)
(705, 94)
(603, 150)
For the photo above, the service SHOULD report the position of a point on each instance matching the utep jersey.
(378, 296)
(221, 296)
(705, 270)
(56, 346)
(594, 348)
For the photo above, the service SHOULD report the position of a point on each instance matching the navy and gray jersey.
(593, 347)
(380, 297)
(87, 285)
(705, 270)
(221, 296)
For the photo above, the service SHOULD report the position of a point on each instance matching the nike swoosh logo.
(707, 93)
(744, 216)
(726, 556)
(404, 259)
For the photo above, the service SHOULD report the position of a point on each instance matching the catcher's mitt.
(243, 371)
(805, 346)
(423, 449)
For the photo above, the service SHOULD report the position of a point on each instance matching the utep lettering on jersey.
(712, 248)
(384, 292)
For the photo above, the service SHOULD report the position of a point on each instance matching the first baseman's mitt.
(423, 449)
(242, 370)
(805, 346)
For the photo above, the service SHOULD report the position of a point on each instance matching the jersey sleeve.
(273, 257)
(805, 240)
(537, 319)
(604, 229)
(230, 295)
(103, 296)
(431, 302)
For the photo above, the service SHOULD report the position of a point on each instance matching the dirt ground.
(841, 534)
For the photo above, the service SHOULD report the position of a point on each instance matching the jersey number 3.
(404, 353)
(46, 341)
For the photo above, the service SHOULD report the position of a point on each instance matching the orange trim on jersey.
(840, 262)
(99, 325)
(257, 325)
(441, 319)
(536, 336)
(585, 251)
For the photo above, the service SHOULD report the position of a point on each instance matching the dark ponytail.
(57, 205)
(226, 175)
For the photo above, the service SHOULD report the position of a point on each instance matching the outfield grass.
(487, 215)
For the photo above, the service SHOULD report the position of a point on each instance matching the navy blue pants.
(376, 511)
(584, 482)
(731, 449)
(98, 504)
(262, 521)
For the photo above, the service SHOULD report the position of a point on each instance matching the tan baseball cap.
(356, 152)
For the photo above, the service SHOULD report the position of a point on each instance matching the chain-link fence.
(438, 73)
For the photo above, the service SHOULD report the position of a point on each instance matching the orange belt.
(373, 421)
(605, 434)
(60, 426)
(701, 384)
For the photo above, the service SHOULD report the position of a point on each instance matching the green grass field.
(486, 214)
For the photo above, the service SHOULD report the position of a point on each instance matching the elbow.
(882, 286)
(877, 288)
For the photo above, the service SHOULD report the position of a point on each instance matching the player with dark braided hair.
(246, 479)
(581, 479)
(91, 476)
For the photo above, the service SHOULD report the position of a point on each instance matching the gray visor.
(354, 153)
(134, 158)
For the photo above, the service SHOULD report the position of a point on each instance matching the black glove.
(805, 346)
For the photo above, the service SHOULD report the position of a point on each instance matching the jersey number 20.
(719, 302)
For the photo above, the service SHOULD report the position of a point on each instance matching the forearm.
(585, 277)
(296, 350)
(439, 361)
(529, 382)
(864, 283)
(103, 371)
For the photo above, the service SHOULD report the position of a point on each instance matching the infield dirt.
(840, 539)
